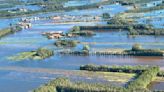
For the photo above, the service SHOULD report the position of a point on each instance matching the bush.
(75, 29)
(65, 85)
(44, 53)
(144, 78)
(66, 43)
(125, 69)
(106, 15)
(86, 47)
(161, 74)
(136, 47)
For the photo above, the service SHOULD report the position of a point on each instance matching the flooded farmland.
(26, 75)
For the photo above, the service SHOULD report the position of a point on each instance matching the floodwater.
(31, 39)
(154, 18)
(151, 4)
(157, 86)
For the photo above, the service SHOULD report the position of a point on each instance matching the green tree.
(136, 47)
(86, 47)
(75, 29)
(106, 15)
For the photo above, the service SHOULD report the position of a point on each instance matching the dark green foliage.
(136, 47)
(44, 53)
(133, 29)
(144, 78)
(85, 87)
(65, 85)
(125, 69)
(85, 50)
(82, 33)
(75, 29)
(51, 86)
(66, 43)
(161, 74)
(137, 50)
(106, 15)
(118, 21)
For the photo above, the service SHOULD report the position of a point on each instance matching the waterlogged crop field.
(27, 74)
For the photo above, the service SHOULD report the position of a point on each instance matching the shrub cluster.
(144, 78)
(160, 74)
(65, 85)
(125, 69)
(137, 50)
(66, 43)
(44, 53)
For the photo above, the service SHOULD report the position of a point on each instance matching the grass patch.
(39, 54)
(22, 56)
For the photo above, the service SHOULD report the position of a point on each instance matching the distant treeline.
(66, 43)
(161, 74)
(49, 6)
(145, 52)
(65, 85)
(124, 69)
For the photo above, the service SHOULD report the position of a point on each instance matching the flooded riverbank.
(19, 76)
(37, 76)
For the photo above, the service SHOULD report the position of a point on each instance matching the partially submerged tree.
(136, 47)
(106, 15)
(75, 29)
(86, 47)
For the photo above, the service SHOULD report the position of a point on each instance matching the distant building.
(56, 17)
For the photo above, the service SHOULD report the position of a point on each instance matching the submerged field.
(28, 74)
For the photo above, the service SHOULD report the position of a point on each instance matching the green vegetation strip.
(10, 30)
(65, 85)
(119, 69)
(144, 76)
(136, 50)
(41, 53)
(123, 69)
(66, 43)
